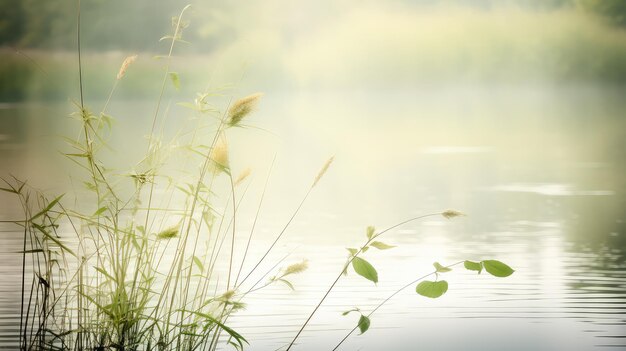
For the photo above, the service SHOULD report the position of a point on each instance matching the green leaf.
(9, 190)
(175, 80)
(99, 211)
(240, 339)
(365, 269)
(364, 324)
(105, 273)
(356, 309)
(370, 232)
(440, 268)
(188, 105)
(31, 251)
(198, 263)
(47, 208)
(286, 282)
(352, 251)
(432, 289)
(497, 268)
(473, 266)
(51, 237)
(381, 246)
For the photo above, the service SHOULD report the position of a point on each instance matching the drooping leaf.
(364, 324)
(352, 250)
(432, 289)
(286, 282)
(31, 251)
(440, 268)
(175, 80)
(50, 236)
(370, 231)
(365, 269)
(497, 268)
(240, 339)
(473, 266)
(47, 208)
(345, 313)
(9, 190)
(105, 273)
(198, 263)
(99, 211)
(381, 246)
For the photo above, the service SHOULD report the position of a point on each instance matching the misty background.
(511, 111)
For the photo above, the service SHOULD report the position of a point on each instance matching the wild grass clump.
(130, 270)
(147, 259)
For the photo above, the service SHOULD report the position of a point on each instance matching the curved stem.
(278, 237)
(256, 217)
(389, 298)
(346, 267)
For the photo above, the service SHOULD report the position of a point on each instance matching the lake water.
(539, 171)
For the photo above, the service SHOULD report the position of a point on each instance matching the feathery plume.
(228, 295)
(241, 108)
(322, 171)
(168, 233)
(243, 175)
(448, 214)
(127, 62)
(219, 154)
(296, 268)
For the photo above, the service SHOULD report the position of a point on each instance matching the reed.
(154, 267)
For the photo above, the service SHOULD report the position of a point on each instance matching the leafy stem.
(350, 260)
(362, 320)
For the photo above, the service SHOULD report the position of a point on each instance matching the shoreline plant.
(147, 259)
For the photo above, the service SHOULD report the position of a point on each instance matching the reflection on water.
(540, 173)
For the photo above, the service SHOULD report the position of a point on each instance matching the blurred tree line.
(113, 24)
(137, 24)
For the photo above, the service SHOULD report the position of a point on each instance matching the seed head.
(219, 154)
(296, 268)
(322, 171)
(242, 176)
(448, 214)
(241, 108)
(127, 62)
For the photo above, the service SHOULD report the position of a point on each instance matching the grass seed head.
(168, 233)
(241, 108)
(322, 171)
(296, 268)
(127, 62)
(449, 214)
(242, 176)
(219, 154)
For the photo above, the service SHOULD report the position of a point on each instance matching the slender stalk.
(22, 327)
(389, 298)
(232, 242)
(256, 217)
(330, 288)
(279, 236)
(82, 110)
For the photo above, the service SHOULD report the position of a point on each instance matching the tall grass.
(147, 259)
(114, 270)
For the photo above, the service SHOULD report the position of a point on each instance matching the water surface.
(538, 171)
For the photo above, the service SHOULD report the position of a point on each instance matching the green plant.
(137, 275)
(431, 289)
(144, 259)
